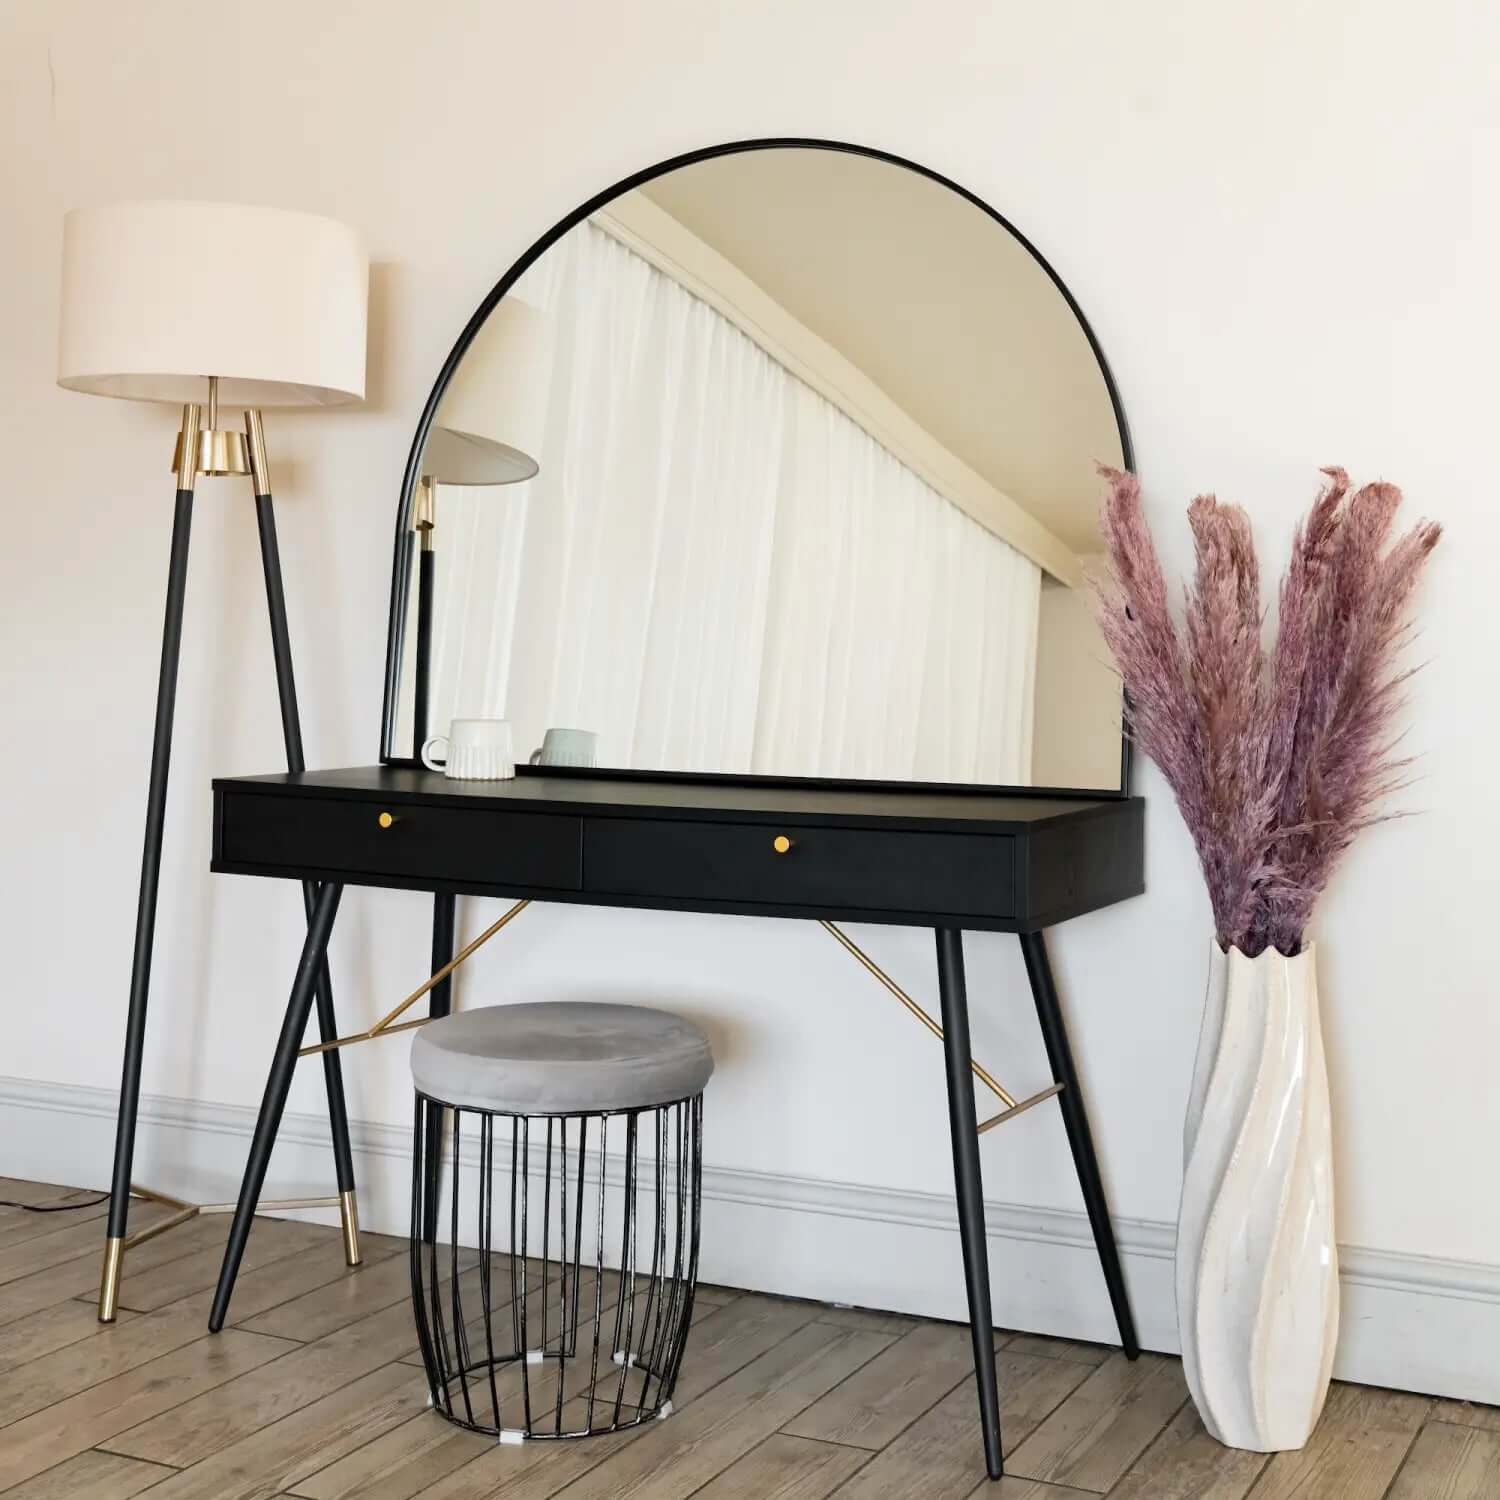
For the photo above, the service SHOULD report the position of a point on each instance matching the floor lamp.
(487, 431)
(246, 307)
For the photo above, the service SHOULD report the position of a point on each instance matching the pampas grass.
(1277, 758)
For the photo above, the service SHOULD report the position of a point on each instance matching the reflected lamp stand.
(491, 426)
(424, 523)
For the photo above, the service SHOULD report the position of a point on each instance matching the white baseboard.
(1411, 1322)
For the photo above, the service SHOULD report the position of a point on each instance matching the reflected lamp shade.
(156, 296)
(488, 427)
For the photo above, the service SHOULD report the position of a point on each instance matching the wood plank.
(1449, 1462)
(727, 1339)
(63, 1243)
(275, 1456)
(384, 1279)
(318, 1270)
(93, 1475)
(1354, 1451)
(193, 1430)
(721, 1344)
(414, 1457)
(149, 1288)
(403, 1462)
(528, 1471)
(714, 1296)
(940, 1456)
(785, 1468)
(1467, 1414)
(131, 1342)
(51, 1328)
(19, 1190)
(96, 1415)
(270, 1240)
(1185, 1463)
(875, 1406)
(1045, 1348)
(79, 1277)
(868, 1318)
(16, 1224)
(671, 1460)
(500, 1316)
(116, 1350)
(1105, 1425)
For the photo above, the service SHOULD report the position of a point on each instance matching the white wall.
(1282, 223)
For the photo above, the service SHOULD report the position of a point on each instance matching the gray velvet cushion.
(560, 1058)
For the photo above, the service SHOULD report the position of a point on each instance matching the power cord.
(53, 1208)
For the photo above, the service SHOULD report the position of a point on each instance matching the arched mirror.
(774, 461)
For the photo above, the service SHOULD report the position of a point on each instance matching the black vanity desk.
(928, 859)
(945, 860)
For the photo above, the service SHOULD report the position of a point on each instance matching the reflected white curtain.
(901, 640)
(717, 569)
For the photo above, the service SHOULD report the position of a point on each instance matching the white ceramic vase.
(1257, 1263)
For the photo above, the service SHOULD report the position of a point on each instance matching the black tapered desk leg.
(273, 1102)
(145, 913)
(291, 731)
(1080, 1137)
(964, 1127)
(439, 1003)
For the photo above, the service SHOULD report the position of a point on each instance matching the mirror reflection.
(781, 464)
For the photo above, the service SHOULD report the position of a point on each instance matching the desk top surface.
(687, 797)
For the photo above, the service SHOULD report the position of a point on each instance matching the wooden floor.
(315, 1391)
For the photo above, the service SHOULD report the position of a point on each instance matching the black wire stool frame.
(513, 1340)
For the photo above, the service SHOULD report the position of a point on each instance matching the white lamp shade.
(488, 428)
(156, 296)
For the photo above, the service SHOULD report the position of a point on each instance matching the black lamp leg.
(964, 1128)
(1080, 1138)
(439, 1003)
(145, 916)
(273, 1102)
(291, 728)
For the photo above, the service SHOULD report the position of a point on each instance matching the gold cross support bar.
(1013, 1106)
(386, 1022)
(981, 1073)
(1019, 1109)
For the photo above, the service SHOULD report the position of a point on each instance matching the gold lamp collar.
(424, 511)
(218, 453)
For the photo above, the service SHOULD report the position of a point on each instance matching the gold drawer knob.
(781, 844)
(387, 820)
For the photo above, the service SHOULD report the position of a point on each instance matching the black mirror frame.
(403, 549)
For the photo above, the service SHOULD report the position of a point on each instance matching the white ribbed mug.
(473, 750)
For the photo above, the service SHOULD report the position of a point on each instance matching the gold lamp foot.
(349, 1217)
(109, 1280)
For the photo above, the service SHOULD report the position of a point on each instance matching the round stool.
(578, 1127)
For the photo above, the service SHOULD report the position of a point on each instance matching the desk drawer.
(835, 868)
(443, 843)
